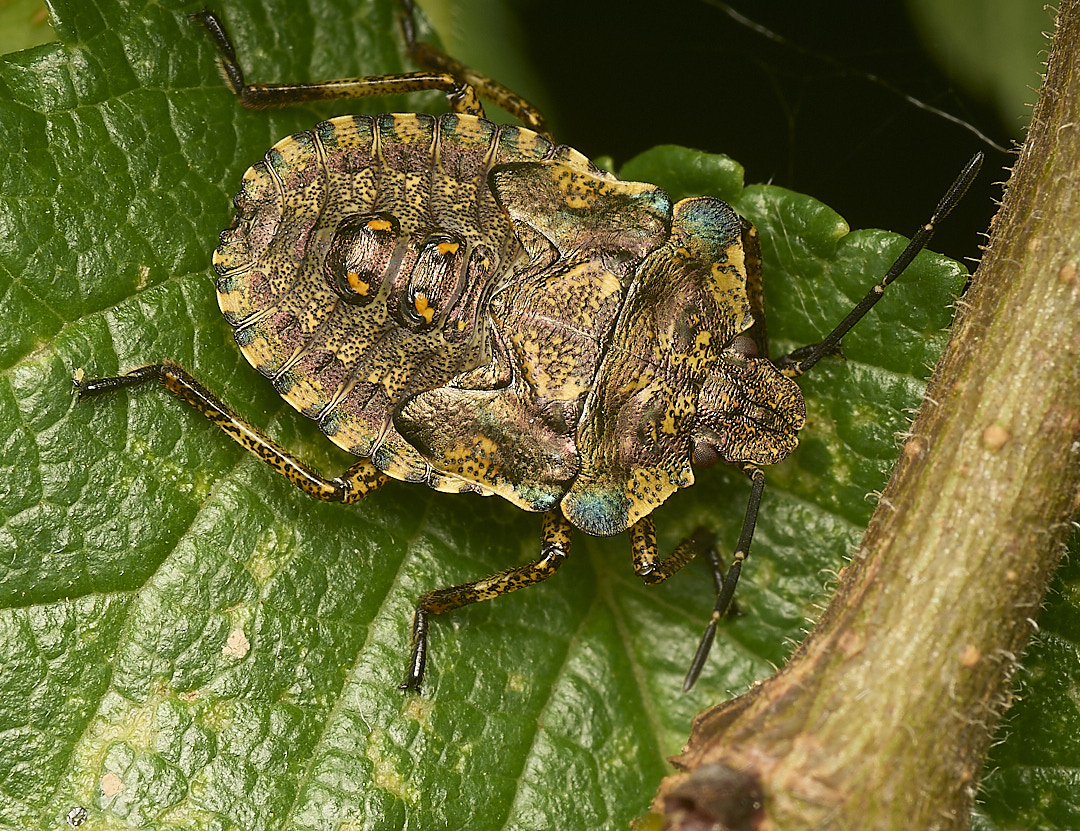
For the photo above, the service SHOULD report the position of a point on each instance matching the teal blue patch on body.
(275, 161)
(601, 513)
(284, 382)
(539, 499)
(245, 336)
(710, 220)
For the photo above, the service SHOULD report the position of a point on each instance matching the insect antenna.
(725, 586)
(794, 365)
(799, 361)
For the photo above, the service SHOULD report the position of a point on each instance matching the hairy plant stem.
(883, 717)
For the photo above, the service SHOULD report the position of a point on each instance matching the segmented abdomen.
(359, 266)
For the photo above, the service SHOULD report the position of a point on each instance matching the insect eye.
(744, 346)
(359, 255)
(705, 453)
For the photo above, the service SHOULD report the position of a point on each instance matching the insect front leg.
(649, 565)
(555, 548)
(652, 569)
(356, 483)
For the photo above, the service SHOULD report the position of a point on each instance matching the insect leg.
(459, 93)
(554, 551)
(649, 565)
(358, 481)
(459, 82)
(426, 55)
(799, 361)
(652, 569)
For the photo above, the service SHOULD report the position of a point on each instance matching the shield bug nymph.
(472, 307)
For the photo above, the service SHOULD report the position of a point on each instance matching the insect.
(475, 308)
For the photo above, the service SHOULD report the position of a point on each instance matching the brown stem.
(883, 717)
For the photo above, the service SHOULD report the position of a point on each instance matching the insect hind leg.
(555, 548)
(460, 94)
(426, 55)
(357, 482)
(463, 86)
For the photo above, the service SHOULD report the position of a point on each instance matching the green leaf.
(996, 48)
(186, 639)
(23, 23)
(1035, 767)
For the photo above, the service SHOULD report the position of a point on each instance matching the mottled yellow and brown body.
(470, 306)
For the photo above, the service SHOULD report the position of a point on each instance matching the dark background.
(803, 114)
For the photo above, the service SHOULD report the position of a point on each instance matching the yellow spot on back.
(445, 248)
(423, 309)
(361, 287)
(379, 225)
